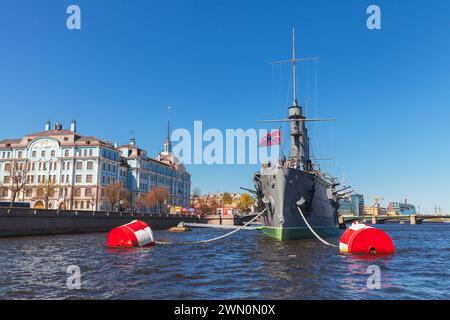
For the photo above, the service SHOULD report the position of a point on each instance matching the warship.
(294, 186)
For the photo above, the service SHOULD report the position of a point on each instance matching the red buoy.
(134, 234)
(360, 238)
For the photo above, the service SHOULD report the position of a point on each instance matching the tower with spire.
(168, 144)
(166, 155)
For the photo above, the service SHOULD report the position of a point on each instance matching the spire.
(168, 144)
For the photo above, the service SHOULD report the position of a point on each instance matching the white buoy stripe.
(143, 236)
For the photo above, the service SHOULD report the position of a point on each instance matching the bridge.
(413, 219)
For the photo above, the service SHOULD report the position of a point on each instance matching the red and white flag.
(271, 139)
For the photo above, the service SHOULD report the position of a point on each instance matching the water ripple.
(247, 265)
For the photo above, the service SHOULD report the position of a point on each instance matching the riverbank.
(17, 222)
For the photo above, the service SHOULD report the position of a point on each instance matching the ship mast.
(299, 149)
(294, 67)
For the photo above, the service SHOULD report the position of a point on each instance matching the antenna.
(294, 67)
(294, 61)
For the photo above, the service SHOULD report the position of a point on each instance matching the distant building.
(357, 204)
(404, 208)
(146, 173)
(354, 205)
(375, 210)
(345, 207)
(81, 166)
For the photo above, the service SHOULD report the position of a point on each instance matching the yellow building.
(375, 211)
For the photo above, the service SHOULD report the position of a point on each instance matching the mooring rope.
(215, 238)
(310, 228)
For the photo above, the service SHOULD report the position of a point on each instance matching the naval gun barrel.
(343, 189)
(248, 190)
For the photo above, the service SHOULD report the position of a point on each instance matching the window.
(79, 165)
(66, 153)
(52, 153)
(8, 166)
(68, 165)
(62, 179)
(89, 178)
(104, 166)
(103, 179)
(78, 178)
(114, 168)
(109, 166)
(33, 154)
(19, 154)
(6, 179)
(88, 192)
(43, 153)
(33, 166)
(90, 165)
(90, 152)
(81, 204)
(78, 192)
(29, 193)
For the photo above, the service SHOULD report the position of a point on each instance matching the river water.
(247, 265)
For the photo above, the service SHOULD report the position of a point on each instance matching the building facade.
(63, 169)
(145, 173)
(352, 205)
(402, 208)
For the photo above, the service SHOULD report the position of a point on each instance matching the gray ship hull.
(280, 188)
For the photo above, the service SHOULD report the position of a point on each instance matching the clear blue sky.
(388, 89)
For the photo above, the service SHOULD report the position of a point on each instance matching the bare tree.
(93, 199)
(196, 197)
(158, 196)
(142, 201)
(115, 193)
(46, 190)
(16, 180)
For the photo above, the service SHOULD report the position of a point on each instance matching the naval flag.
(271, 139)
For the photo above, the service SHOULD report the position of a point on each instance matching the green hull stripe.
(298, 233)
